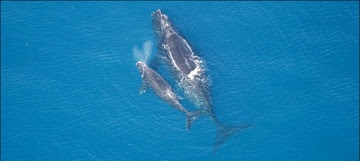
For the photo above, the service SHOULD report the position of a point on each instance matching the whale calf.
(162, 88)
(189, 71)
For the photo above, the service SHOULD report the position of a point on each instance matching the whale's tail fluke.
(224, 132)
(191, 117)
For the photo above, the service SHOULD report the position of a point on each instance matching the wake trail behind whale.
(143, 55)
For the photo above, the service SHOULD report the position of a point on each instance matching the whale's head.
(161, 23)
(159, 19)
(141, 66)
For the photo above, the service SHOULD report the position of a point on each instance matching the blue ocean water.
(70, 88)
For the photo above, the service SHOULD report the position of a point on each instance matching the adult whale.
(162, 88)
(189, 72)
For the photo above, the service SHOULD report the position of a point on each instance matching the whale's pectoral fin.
(224, 132)
(143, 87)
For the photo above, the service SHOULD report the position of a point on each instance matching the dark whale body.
(189, 71)
(163, 89)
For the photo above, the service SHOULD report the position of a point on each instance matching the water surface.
(69, 85)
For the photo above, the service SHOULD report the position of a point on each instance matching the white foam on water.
(197, 71)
